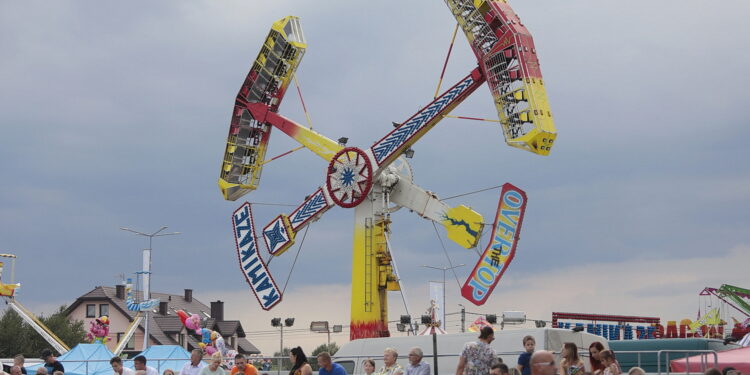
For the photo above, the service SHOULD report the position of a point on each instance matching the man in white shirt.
(118, 368)
(416, 365)
(196, 365)
(140, 364)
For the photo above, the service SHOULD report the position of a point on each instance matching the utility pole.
(276, 322)
(147, 273)
(444, 285)
(463, 318)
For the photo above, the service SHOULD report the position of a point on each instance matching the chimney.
(120, 291)
(217, 311)
(188, 295)
(163, 308)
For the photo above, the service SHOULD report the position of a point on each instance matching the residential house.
(165, 327)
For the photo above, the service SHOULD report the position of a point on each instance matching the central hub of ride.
(349, 177)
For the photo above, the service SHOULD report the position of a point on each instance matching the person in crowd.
(241, 366)
(416, 365)
(514, 371)
(58, 373)
(712, 371)
(369, 366)
(140, 364)
(41, 371)
(529, 343)
(610, 365)
(18, 360)
(118, 368)
(729, 371)
(195, 365)
(478, 357)
(570, 363)
(542, 363)
(636, 371)
(214, 367)
(168, 371)
(138, 372)
(50, 362)
(390, 366)
(327, 367)
(15, 370)
(499, 369)
(300, 366)
(595, 348)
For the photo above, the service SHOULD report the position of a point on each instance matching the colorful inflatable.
(211, 341)
(99, 330)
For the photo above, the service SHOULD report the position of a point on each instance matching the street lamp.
(323, 327)
(147, 272)
(276, 322)
(444, 285)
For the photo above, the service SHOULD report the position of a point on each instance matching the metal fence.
(278, 365)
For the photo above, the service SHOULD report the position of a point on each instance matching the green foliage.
(17, 337)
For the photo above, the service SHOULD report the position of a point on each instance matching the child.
(608, 360)
(570, 364)
(523, 360)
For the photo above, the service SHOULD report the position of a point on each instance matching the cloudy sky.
(115, 114)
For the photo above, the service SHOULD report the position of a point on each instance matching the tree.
(331, 348)
(17, 337)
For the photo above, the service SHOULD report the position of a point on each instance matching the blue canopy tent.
(83, 359)
(162, 357)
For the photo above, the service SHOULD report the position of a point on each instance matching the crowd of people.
(476, 358)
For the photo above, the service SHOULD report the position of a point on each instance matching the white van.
(508, 345)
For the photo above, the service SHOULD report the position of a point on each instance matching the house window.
(91, 311)
(131, 343)
(181, 339)
(104, 309)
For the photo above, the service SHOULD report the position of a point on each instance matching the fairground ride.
(377, 180)
(7, 291)
(735, 297)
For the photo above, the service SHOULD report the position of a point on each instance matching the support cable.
(440, 82)
(282, 155)
(295, 259)
(304, 107)
(453, 269)
(398, 276)
(472, 118)
(472, 192)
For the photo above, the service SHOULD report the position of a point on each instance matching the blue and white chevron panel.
(401, 135)
(313, 206)
(278, 235)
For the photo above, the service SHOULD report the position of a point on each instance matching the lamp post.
(444, 269)
(323, 327)
(276, 322)
(147, 272)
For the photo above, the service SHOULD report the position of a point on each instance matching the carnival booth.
(162, 357)
(83, 359)
(737, 358)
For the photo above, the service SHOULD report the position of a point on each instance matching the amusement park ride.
(377, 181)
(8, 291)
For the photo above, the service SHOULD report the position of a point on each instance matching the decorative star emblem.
(276, 235)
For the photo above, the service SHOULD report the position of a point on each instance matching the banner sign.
(500, 251)
(252, 265)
